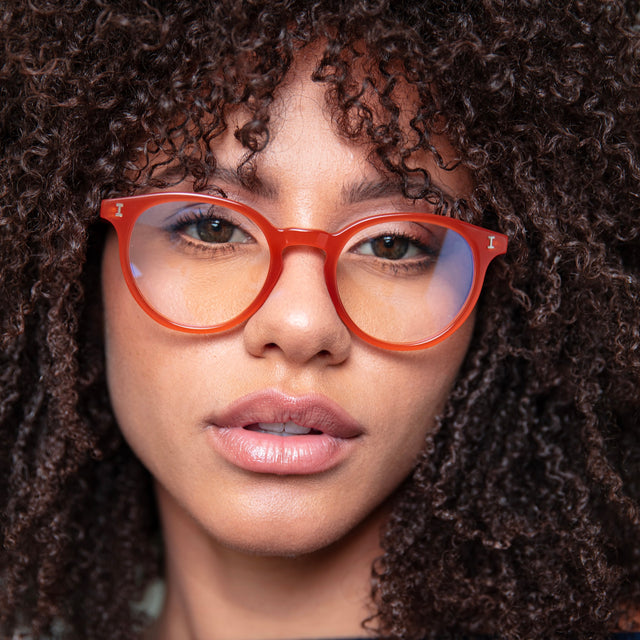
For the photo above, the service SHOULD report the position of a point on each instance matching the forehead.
(307, 143)
(311, 131)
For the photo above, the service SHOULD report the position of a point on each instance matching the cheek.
(419, 382)
(404, 392)
(124, 355)
(158, 378)
(137, 375)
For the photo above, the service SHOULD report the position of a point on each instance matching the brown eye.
(390, 247)
(213, 230)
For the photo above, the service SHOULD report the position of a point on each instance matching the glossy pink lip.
(270, 453)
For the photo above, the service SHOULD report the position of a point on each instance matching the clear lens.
(198, 264)
(405, 281)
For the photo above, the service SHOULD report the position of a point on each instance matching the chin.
(277, 517)
(281, 536)
(278, 549)
(294, 533)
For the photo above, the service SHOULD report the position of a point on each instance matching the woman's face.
(182, 400)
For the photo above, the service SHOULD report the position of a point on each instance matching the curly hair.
(521, 518)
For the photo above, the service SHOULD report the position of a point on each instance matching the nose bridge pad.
(306, 248)
(310, 248)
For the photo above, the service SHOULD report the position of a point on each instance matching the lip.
(273, 454)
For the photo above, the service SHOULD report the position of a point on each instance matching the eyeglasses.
(204, 264)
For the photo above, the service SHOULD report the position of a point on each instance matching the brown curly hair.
(521, 519)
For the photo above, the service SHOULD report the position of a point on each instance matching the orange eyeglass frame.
(485, 245)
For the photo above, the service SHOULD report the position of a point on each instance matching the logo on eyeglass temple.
(119, 206)
(491, 239)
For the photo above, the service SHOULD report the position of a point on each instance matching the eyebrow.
(371, 190)
(246, 177)
(353, 193)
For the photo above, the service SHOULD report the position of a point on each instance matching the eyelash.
(415, 264)
(190, 217)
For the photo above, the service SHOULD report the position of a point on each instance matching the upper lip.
(312, 410)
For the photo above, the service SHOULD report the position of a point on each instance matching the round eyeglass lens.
(405, 281)
(197, 264)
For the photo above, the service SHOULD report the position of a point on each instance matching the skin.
(263, 555)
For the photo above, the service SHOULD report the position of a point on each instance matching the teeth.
(271, 427)
(296, 429)
(283, 428)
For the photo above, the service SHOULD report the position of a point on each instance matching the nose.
(298, 321)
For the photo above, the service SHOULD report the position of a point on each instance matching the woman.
(282, 426)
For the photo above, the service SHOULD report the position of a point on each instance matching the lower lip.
(282, 455)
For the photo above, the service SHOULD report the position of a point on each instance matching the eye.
(211, 226)
(214, 231)
(396, 248)
(389, 247)
(392, 247)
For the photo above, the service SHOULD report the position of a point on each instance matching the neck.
(216, 592)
